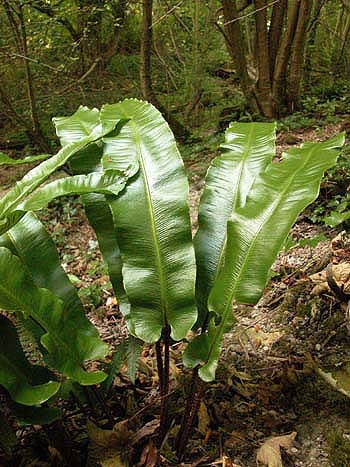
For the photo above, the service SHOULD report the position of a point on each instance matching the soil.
(268, 382)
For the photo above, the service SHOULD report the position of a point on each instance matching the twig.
(167, 13)
(251, 13)
(82, 78)
(29, 59)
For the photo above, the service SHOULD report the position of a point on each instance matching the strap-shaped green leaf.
(96, 207)
(27, 384)
(33, 245)
(35, 177)
(100, 218)
(67, 345)
(256, 233)
(151, 217)
(248, 149)
(110, 182)
(75, 127)
(6, 160)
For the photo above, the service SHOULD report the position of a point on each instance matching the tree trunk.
(312, 29)
(235, 45)
(298, 55)
(282, 58)
(146, 71)
(146, 51)
(275, 31)
(263, 85)
(17, 24)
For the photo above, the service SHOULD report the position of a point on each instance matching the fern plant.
(134, 189)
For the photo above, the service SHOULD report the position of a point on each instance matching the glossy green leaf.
(6, 160)
(151, 217)
(248, 149)
(100, 218)
(133, 357)
(256, 233)
(110, 182)
(27, 384)
(35, 177)
(119, 357)
(29, 240)
(335, 218)
(96, 206)
(33, 245)
(77, 126)
(67, 346)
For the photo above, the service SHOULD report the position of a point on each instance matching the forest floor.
(271, 381)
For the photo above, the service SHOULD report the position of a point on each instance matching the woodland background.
(202, 63)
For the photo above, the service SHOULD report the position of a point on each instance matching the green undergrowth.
(338, 448)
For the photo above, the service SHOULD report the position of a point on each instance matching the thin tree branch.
(49, 11)
(179, 19)
(16, 55)
(239, 18)
(167, 13)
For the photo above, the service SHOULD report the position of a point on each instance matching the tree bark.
(312, 29)
(146, 51)
(279, 11)
(263, 85)
(298, 55)
(235, 45)
(282, 58)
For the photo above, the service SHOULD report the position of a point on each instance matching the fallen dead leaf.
(108, 447)
(147, 430)
(339, 379)
(341, 274)
(270, 452)
(259, 337)
(117, 437)
(149, 456)
(203, 419)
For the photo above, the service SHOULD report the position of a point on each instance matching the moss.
(338, 449)
(303, 309)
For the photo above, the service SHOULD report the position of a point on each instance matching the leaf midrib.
(158, 254)
(233, 203)
(229, 303)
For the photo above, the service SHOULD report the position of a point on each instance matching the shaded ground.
(268, 382)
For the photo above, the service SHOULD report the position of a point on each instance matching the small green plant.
(135, 193)
(332, 207)
(338, 448)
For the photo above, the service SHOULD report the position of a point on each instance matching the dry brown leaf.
(116, 438)
(341, 273)
(270, 452)
(259, 337)
(147, 430)
(149, 456)
(203, 419)
(108, 447)
(339, 379)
